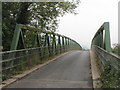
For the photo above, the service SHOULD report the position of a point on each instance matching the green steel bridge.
(31, 46)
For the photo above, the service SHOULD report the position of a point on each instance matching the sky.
(91, 15)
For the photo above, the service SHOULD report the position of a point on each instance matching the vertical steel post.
(59, 41)
(54, 44)
(98, 39)
(45, 42)
(22, 39)
(34, 41)
(48, 41)
(95, 41)
(59, 44)
(101, 39)
(16, 37)
(63, 46)
(15, 41)
(62, 40)
(44, 48)
(48, 45)
(38, 40)
(68, 46)
(107, 36)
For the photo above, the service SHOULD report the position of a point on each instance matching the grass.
(110, 77)
(116, 49)
(23, 66)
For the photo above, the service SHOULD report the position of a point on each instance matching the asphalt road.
(69, 71)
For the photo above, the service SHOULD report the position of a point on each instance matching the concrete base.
(95, 71)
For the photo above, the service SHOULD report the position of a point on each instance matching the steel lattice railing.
(31, 46)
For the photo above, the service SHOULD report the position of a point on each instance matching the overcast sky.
(92, 14)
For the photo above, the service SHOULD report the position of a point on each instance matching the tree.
(9, 15)
(43, 15)
(23, 15)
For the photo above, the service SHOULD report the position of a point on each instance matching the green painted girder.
(16, 37)
(98, 39)
(107, 37)
(62, 40)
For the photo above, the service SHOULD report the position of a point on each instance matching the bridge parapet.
(101, 46)
(31, 46)
(30, 37)
(102, 37)
(105, 56)
(107, 62)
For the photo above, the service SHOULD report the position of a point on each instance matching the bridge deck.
(69, 71)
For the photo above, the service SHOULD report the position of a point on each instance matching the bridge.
(44, 59)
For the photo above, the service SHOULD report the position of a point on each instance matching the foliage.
(9, 15)
(43, 15)
(22, 67)
(116, 49)
(110, 77)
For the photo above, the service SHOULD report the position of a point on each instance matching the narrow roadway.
(69, 71)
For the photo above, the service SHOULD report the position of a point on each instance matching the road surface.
(69, 71)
